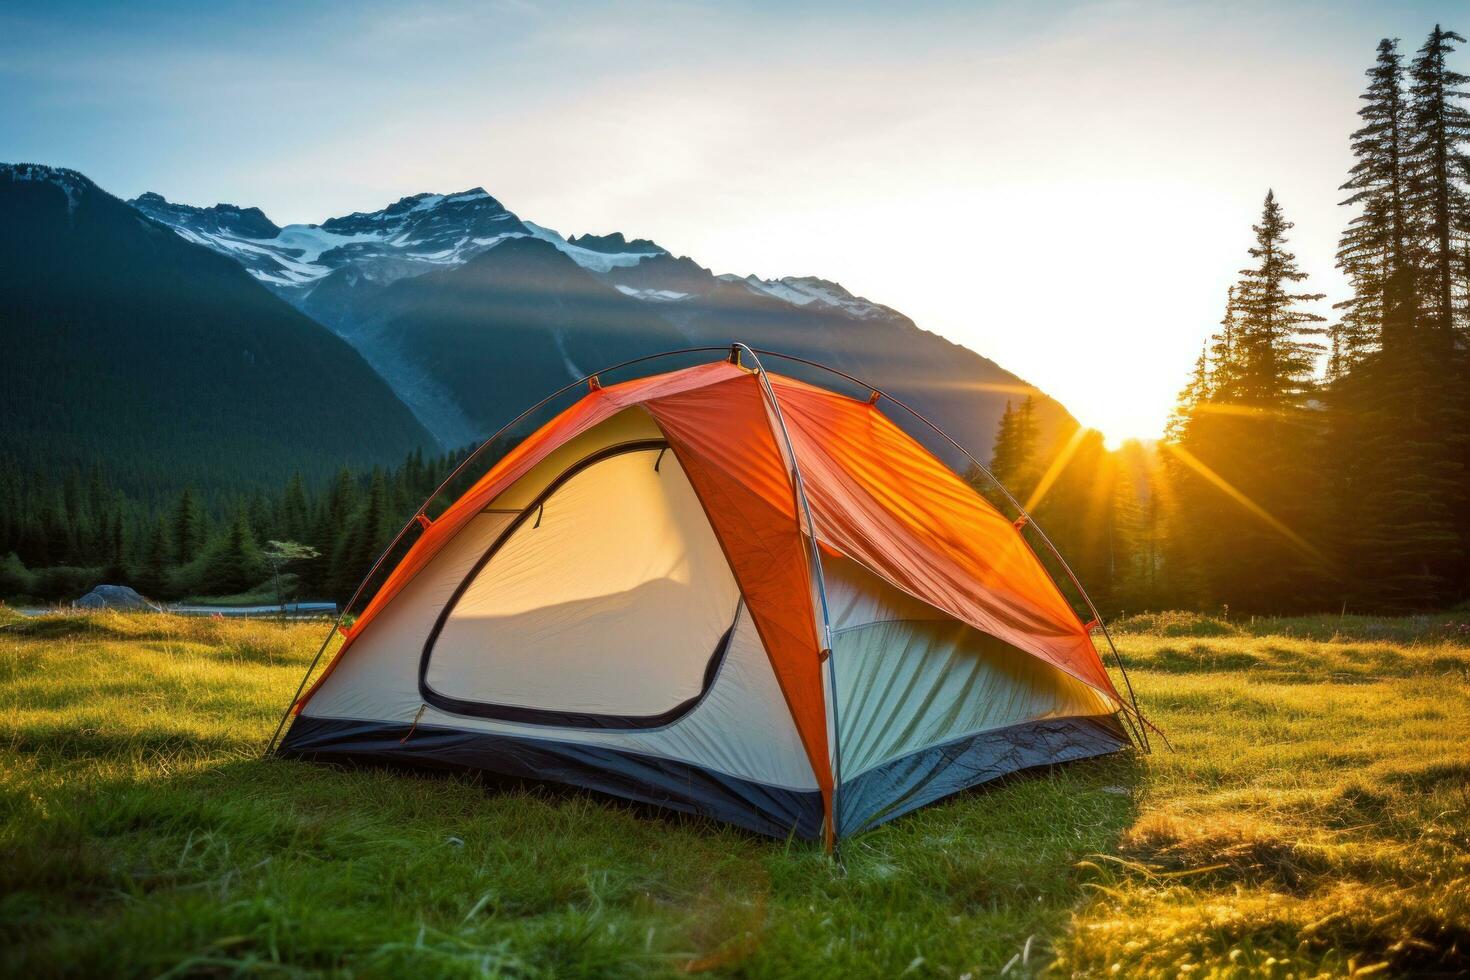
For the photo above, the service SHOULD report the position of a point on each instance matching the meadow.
(1312, 819)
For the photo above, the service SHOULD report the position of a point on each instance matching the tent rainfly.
(725, 592)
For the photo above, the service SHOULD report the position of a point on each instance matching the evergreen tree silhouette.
(1245, 418)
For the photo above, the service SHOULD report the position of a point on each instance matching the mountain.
(416, 235)
(131, 347)
(471, 347)
(815, 319)
(471, 313)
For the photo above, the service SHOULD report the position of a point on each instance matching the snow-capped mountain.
(416, 235)
(427, 232)
(429, 293)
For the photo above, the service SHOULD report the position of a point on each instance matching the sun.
(1123, 421)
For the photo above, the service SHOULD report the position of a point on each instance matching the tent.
(726, 592)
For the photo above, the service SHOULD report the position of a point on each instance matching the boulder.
(115, 597)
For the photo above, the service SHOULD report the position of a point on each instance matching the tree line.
(1310, 463)
(58, 539)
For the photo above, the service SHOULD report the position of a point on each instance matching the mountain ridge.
(804, 315)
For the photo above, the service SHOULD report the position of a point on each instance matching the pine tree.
(1013, 456)
(1395, 452)
(188, 528)
(1404, 478)
(232, 562)
(330, 536)
(1139, 532)
(1437, 168)
(75, 538)
(1275, 360)
(1224, 366)
(152, 577)
(295, 519)
(364, 540)
(1003, 451)
(262, 521)
(10, 509)
(1377, 250)
(115, 569)
(1195, 392)
(58, 531)
(1244, 420)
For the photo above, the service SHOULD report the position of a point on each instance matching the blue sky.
(1066, 188)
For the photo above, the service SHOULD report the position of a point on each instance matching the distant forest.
(1278, 487)
(59, 540)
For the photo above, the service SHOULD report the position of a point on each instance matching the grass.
(1314, 820)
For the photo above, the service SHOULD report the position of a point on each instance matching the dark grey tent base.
(874, 797)
(678, 786)
(909, 782)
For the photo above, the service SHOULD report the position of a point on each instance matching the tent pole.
(798, 487)
(1143, 724)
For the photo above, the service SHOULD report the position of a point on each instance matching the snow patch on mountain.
(808, 290)
(593, 260)
(651, 295)
(573, 369)
(309, 242)
(71, 183)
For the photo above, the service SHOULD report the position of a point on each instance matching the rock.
(115, 597)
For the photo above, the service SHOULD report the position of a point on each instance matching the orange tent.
(558, 620)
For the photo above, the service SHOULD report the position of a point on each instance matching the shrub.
(15, 578)
(1176, 623)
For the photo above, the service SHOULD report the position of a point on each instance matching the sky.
(1066, 188)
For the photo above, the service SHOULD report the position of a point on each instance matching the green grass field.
(1313, 820)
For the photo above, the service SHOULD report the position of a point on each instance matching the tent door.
(606, 603)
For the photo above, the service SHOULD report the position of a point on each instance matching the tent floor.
(869, 799)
